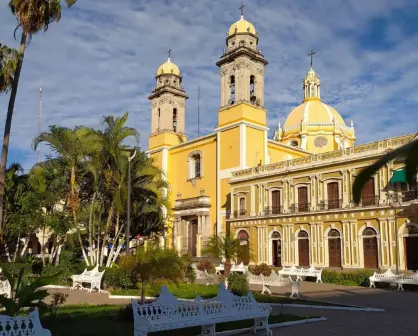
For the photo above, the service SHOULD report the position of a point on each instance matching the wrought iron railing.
(330, 204)
(300, 207)
(366, 201)
(273, 210)
(240, 213)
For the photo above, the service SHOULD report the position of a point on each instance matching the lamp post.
(128, 224)
(395, 218)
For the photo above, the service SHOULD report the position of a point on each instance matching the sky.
(101, 58)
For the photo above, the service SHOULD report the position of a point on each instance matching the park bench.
(203, 275)
(275, 280)
(301, 273)
(22, 325)
(241, 268)
(387, 277)
(407, 280)
(168, 313)
(5, 288)
(93, 277)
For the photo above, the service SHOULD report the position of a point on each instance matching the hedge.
(349, 278)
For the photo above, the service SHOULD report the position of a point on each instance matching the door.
(303, 252)
(367, 193)
(411, 251)
(277, 253)
(334, 252)
(370, 252)
(192, 239)
(275, 202)
(244, 249)
(333, 195)
(303, 199)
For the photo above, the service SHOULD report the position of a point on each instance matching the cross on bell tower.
(311, 55)
(169, 53)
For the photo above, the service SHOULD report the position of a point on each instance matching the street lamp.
(395, 218)
(128, 224)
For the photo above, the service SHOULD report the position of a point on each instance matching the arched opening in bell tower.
(253, 98)
(232, 89)
(174, 120)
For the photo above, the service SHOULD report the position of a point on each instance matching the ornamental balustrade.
(300, 207)
(272, 210)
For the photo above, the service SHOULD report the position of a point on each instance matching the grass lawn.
(190, 291)
(85, 320)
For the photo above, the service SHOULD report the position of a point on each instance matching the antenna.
(39, 117)
(198, 111)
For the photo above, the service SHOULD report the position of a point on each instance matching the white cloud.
(101, 59)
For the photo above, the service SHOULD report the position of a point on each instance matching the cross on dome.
(169, 53)
(242, 10)
(311, 55)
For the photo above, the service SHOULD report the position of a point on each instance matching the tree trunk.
(91, 228)
(25, 247)
(86, 259)
(57, 259)
(109, 222)
(112, 251)
(17, 247)
(117, 252)
(143, 287)
(8, 125)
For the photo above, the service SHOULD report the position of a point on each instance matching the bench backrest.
(22, 325)
(274, 277)
(388, 274)
(5, 288)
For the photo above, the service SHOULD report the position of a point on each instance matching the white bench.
(407, 280)
(275, 280)
(241, 268)
(387, 277)
(203, 275)
(5, 288)
(23, 325)
(301, 273)
(168, 313)
(93, 277)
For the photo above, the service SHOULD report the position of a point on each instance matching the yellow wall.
(278, 153)
(230, 148)
(241, 112)
(255, 146)
(165, 139)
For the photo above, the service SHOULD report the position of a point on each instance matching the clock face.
(320, 141)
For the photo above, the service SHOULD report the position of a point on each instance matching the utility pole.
(392, 200)
(128, 224)
(198, 111)
(41, 93)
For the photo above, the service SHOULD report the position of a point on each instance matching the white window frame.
(191, 164)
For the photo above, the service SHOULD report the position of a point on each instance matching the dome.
(242, 26)
(312, 112)
(168, 68)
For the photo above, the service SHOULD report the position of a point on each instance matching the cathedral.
(288, 199)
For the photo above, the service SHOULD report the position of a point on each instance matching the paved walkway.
(400, 317)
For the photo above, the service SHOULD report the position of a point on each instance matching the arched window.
(195, 165)
(303, 234)
(369, 232)
(333, 233)
(252, 89)
(275, 235)
(232, 89)
(159, 120)
(174, 120)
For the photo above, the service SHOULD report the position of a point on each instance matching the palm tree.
(8, 64)
(409, 151)
(72, 147)
(32, 16)
(225, 247)
(152, 263)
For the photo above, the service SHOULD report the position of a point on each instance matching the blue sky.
(102, 57)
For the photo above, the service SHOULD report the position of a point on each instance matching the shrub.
(182, 290)
(263, 269)
(116, 278)
(238, 284)
(206, 265)
(37, 266)
(190, 273)
(352, 278)
(125, 314)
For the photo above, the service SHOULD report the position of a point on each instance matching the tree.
(8, 64)
(32, 16)
(409, 151)
(151, 263)
(224, 247)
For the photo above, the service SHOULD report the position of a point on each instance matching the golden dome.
(242, 26)
(313, 112)
(168, 68)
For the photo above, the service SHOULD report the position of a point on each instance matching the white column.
(231, 215)
(252, 213)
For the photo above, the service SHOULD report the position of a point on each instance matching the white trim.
(401, 235)
(361, 246)
(243, 146)
(155, 150)
(218, 184)
(328, 111)
(306, 112)
(266, 155)
(238, 123)
(297, 149)
(164, 162)
(227, 173)
(242, 229)
(240, 192)
(326, 245)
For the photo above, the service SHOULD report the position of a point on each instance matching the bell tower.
(168, 106)
(242, 66)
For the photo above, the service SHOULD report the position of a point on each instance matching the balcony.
(367, 201)
(275, 210)
(240, 213)
(300, 207)
(330, 204)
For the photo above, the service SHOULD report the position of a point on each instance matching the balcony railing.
(273, 210)
(366, 201)
(240, 213)
(300, 207)
(330, 204)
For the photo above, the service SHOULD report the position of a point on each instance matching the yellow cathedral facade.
(288, 198)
